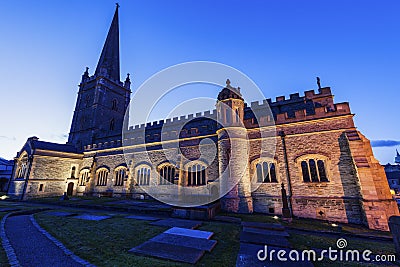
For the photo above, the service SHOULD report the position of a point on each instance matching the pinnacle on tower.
(108, 64)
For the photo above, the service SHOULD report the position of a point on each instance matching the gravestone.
(171, 222)
(189, 232)
(142, 217)
(91, 217)
(186, 241)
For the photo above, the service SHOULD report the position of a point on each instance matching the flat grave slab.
(61, 213)
(185, 241)
(227, 219)
(171, 222)
(247, 257)
(141, 217)
(164, 251)
(265, 232)
(267, 226)
(189, 232)
(274, 240)
(91, 217)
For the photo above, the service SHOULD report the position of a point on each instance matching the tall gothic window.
(167, 174)
(313, 170)
(22, 167)
(102, 176)
(114, 105)
(196, 175)
(266, 172)
(84, 177)
(143, 175)
(120, 175)
(112, 122)
(73, 170)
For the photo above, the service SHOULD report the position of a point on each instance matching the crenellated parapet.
(311, 106)
(296, 108)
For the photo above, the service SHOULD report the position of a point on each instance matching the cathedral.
(325, 164)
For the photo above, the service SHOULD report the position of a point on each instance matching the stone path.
(256, 237)
(33, 248)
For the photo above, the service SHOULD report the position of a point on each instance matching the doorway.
(70, 189)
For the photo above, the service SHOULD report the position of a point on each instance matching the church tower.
(102, 98)
(233, 149)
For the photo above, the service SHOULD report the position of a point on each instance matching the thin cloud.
(8, 137)
(384, 143)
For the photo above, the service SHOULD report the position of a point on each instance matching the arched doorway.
(70, 189)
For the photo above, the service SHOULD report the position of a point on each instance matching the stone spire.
(108, 64)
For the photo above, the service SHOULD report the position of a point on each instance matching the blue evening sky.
(281, 45)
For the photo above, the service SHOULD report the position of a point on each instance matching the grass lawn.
(106, 243)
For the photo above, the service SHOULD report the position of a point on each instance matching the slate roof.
(54, 146)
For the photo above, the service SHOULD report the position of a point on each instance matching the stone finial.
(319, 82)
(228, 82)
(127, 81)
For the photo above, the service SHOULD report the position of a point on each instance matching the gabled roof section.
(108, 65)
(53, 146)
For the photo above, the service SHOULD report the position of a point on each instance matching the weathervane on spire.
(117, 5)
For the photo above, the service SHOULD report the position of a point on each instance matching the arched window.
(22, 167)
(102, 176)
(313, 170)
(114, 105)
(73, 170)
(237, 115)
(87, 101)
(196, 175)
(84, 177)
(167, 174)
(120, 174)
(112, 125)
(266, 172)
(143, 175)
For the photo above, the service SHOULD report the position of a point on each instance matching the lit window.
(143, 176)
(313, 170)
(196, 175)
(84, 177)
(102, 177)
(120, 175)
(266, 172)
(167, 174)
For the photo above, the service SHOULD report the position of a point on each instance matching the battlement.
(296, 108)
(300, 115)
(174, 121)
(293, 98)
